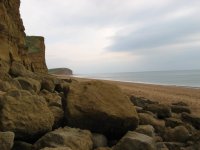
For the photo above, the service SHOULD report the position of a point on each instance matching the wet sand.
(161, 93)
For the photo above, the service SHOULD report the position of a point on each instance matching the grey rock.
(75, 139)
(147, 119)
(162, 111)
(135, 141)
(146, 129)
(6, 140)
(141, 101)
(99, 140)
(177, 134)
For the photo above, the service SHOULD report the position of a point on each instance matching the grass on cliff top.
(33, 44)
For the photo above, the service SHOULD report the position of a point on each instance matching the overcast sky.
(103, 36)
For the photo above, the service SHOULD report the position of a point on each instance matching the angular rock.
(146, 129)
(141, 101)
(135, 141)
(75, 139)
(147, 119)
(29, 84)
(101, 108)
(6, 140)
(48, 85)
(180, 109)
(162, 111)
(53, 99)
(194, 120)
(24, 114)
(177, 134)
(99, 140)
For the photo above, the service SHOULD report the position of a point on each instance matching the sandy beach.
(161, 93)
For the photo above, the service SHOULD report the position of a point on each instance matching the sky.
(107, 36)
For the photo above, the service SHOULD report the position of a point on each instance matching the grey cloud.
(156, 35)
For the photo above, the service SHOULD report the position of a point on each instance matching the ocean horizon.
(186, 78)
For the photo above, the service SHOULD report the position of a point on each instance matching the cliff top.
(33, 43)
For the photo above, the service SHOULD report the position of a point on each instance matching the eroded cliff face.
(36, 53)
(13, 39)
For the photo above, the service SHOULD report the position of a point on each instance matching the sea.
(186, 78)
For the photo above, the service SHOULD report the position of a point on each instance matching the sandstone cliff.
(12, 36)
(36, 53)
(14, 45)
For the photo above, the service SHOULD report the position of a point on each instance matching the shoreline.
(136, 82)
(165, 94)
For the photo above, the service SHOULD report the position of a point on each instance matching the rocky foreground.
(41, 112)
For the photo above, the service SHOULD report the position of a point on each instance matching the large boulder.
(135, 141)
(28, 116)
(101, 108)
(75, 139)
(6, 140)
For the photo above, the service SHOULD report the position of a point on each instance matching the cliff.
(14, 45)
(36, 53)
(12, 36)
